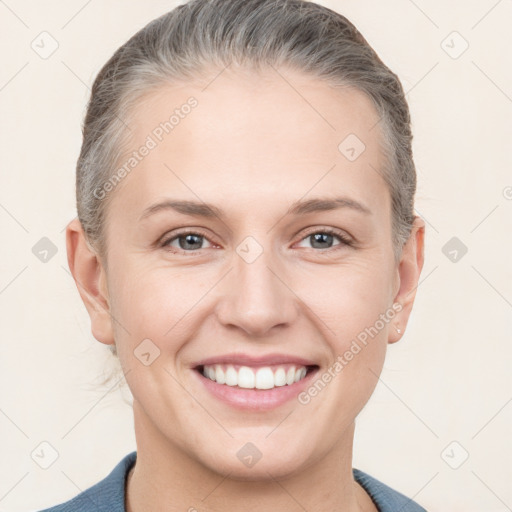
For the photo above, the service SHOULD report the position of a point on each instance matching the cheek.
(150, 301)
(355, 315)
(155, 301)
(157, 310)
(348, 298)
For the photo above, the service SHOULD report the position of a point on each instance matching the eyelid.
(170, 236)
(344, 238)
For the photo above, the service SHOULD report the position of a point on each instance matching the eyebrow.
(201, 209)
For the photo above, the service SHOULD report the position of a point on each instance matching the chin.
(248, 463)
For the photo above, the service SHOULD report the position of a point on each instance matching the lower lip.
(256, 399)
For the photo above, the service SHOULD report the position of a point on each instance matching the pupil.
(322, 238)
(189, 240)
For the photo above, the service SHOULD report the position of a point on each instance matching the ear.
(408, 275)
(90, 279)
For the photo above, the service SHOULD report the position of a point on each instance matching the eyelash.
(345, 241)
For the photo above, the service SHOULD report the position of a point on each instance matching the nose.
(256, 296)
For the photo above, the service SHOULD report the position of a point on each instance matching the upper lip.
(248, 360)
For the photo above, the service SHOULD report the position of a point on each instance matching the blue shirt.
(108, 494)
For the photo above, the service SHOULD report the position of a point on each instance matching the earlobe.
(90, 279)
(409, 271)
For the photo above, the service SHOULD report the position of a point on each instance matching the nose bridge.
(257, 299)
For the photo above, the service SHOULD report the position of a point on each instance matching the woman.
(246, 244)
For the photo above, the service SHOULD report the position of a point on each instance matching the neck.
(167, 478)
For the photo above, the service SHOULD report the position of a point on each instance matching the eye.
(188, 241)
(323, 238)
(192, 241)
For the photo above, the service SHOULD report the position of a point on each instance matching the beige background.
(447, 380)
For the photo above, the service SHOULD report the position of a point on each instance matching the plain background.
(445, 393)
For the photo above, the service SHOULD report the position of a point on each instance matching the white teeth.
(290, 376)
(220, 376)
(264, 378)
(245, 378)
(231, 376)
(280, 377)
(260, 378)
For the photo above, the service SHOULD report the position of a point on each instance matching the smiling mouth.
(261, 377)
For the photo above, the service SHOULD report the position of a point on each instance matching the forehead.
(254, 136)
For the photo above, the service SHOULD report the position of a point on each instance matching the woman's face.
(258, 276)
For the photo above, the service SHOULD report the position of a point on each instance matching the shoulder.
(384, 497)
(105, 496)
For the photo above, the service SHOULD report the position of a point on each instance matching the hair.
(202, 35)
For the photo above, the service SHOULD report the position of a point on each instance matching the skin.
(252, 147)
